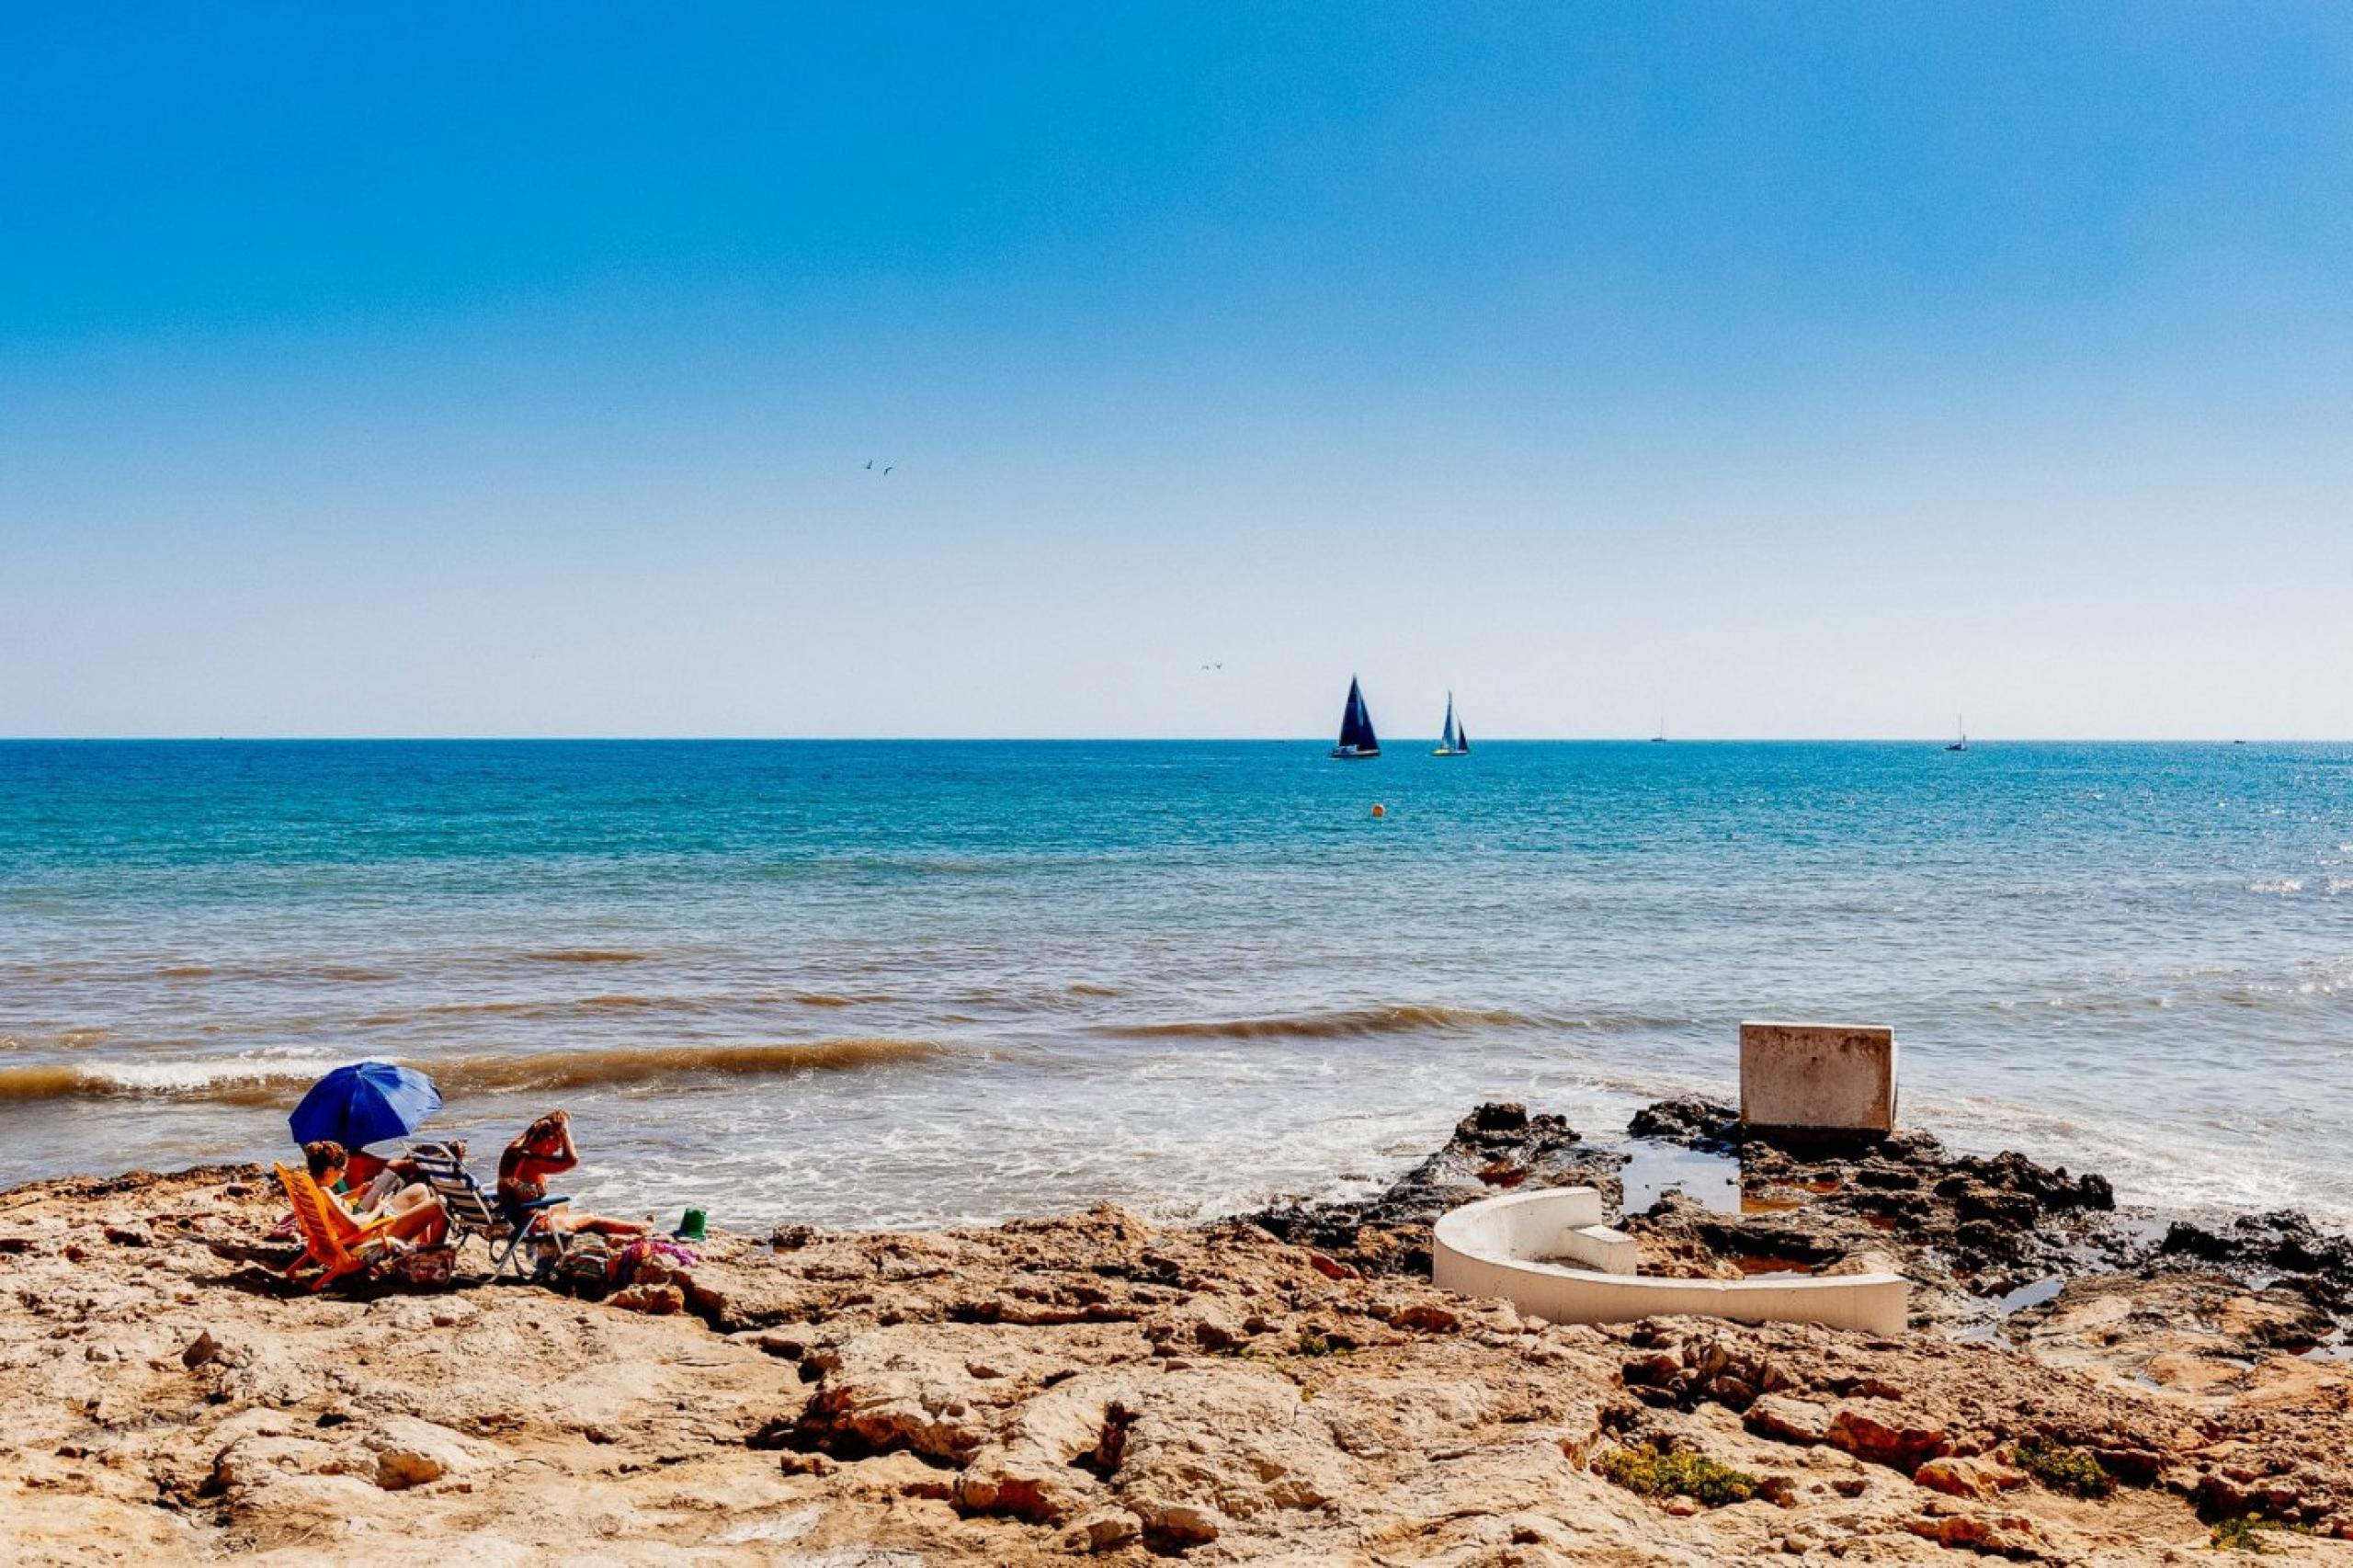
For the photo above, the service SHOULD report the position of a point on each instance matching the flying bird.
(887, 467)
(870, 462)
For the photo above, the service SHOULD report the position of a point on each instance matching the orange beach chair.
(333, 1241)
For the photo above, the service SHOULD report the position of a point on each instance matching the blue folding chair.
(474, 1213)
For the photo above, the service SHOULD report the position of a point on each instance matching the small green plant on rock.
(2244, 1532)
(1652, 1471)
(2064, 1468)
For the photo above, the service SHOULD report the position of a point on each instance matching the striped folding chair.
(503, 1228)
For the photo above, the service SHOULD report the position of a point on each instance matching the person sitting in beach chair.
(334, 1243)
(412, 1214)
(546, 1149)
(442, 1167)
(369, 1181)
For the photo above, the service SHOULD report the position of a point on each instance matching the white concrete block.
(1604, 1247)
(1836, 1078)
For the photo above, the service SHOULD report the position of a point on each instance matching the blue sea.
(913, 984)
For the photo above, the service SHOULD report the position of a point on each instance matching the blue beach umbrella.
(366, 1100)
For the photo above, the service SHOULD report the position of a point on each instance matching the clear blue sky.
(1793, 370)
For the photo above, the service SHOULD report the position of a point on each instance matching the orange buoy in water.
(1379, 810)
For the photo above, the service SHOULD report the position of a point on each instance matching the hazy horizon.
(1392, 739)
(1816, 374)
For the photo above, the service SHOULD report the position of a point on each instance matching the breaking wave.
(582, 1069)
(270, 1081)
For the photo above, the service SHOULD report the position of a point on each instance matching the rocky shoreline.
(2083, 1381)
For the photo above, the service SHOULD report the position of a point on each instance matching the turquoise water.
(890, 983)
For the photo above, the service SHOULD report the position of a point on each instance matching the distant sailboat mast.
(1356, 737)
(1453, 740)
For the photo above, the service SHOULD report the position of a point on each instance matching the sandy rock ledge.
(1093, 1387)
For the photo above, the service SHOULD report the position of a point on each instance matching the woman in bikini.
(546, 1149)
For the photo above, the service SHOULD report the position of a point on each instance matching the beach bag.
(587, 1269)
(427, 1266)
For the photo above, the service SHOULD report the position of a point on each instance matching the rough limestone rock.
(1788, 1420)
(1045, 1461)
(1095, 1386)
(1974, 1477)
(901, 1388)
(1203, 1447)
(1875, 1439)
(410, 1452)
(2000, 1535)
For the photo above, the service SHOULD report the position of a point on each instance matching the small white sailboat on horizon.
(1453, 740)
(1961, 737)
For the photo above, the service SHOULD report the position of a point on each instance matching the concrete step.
(1602, 1247)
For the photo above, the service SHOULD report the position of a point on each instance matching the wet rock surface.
(1696, 1123)
(1285, 1389)
(1499, 1147)
(1969, 1230)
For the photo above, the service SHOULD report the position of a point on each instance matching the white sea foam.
(254, 1077)
(285, 1067)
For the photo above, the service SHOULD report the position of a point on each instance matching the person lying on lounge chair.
(369, 1182)
(546, 1149)
(417, 1215)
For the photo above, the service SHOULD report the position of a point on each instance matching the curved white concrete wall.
(1491, 1247)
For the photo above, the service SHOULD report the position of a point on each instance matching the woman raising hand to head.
(546, 1149)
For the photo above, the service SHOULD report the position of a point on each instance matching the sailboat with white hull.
(1453, 740)
(1357, 740)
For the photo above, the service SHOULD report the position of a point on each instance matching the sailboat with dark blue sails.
(1357, 739)
(1453, 740)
